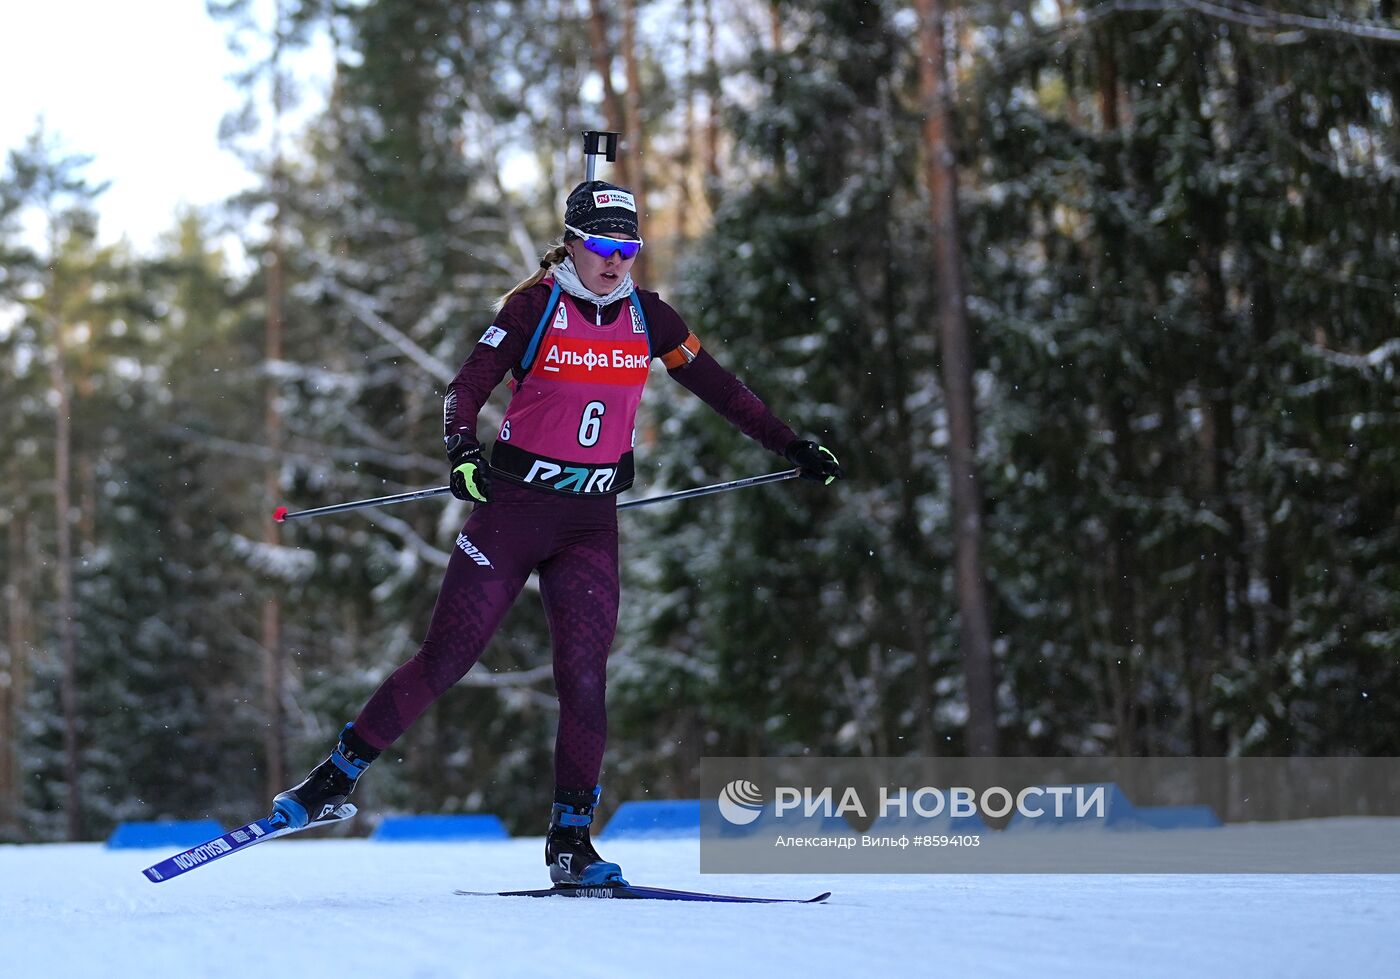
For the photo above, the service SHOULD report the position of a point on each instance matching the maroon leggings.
(572, 542)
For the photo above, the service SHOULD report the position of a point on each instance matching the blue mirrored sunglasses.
(603, 245)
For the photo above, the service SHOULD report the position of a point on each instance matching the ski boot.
(568, 850)
(329, 784)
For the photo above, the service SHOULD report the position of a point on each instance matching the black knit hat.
(600, 208)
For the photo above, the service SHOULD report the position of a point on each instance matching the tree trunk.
(1269, 620)
(13, 681)
(63, 564)
(634, 138)
(712, 187)
(1226, 588)
(274, 676)
(941, 176)
(1120, 668)
(274, 665)
(8, 725)
(602, 64)
(690, 147)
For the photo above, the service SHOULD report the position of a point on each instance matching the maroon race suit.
(564, 452)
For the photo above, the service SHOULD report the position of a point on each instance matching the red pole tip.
(280, 514)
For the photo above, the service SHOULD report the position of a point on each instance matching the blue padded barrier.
(1119, 813)
(443, 828)
(940, 825)
(167, 834)
(1178, 817)
(794, 823)
(655, 819)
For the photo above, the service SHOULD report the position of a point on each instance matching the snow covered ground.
(307, 907)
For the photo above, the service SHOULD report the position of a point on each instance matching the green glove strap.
(468, 471)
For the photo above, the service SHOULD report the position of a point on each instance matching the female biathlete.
(578, 338)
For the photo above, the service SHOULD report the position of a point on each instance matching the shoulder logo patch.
(561, 317)
(637, 325)
(493, 336)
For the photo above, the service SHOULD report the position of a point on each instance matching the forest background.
(1097, 302)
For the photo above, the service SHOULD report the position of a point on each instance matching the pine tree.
(795, 619)
(1151, 202)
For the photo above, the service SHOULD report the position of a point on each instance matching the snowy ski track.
(349, 908)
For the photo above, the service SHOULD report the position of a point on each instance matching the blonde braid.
(556, 254)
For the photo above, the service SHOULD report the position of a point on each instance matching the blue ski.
(251, 834)
(633, 892)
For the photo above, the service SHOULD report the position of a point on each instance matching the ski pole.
(281, 514)
(714, 488)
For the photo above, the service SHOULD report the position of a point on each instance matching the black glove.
(817, 462)
(470, 477)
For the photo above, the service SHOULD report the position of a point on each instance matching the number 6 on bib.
(592, 424)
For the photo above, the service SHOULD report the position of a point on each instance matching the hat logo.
(614, 198)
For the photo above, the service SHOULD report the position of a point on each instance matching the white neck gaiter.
(567, 276)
